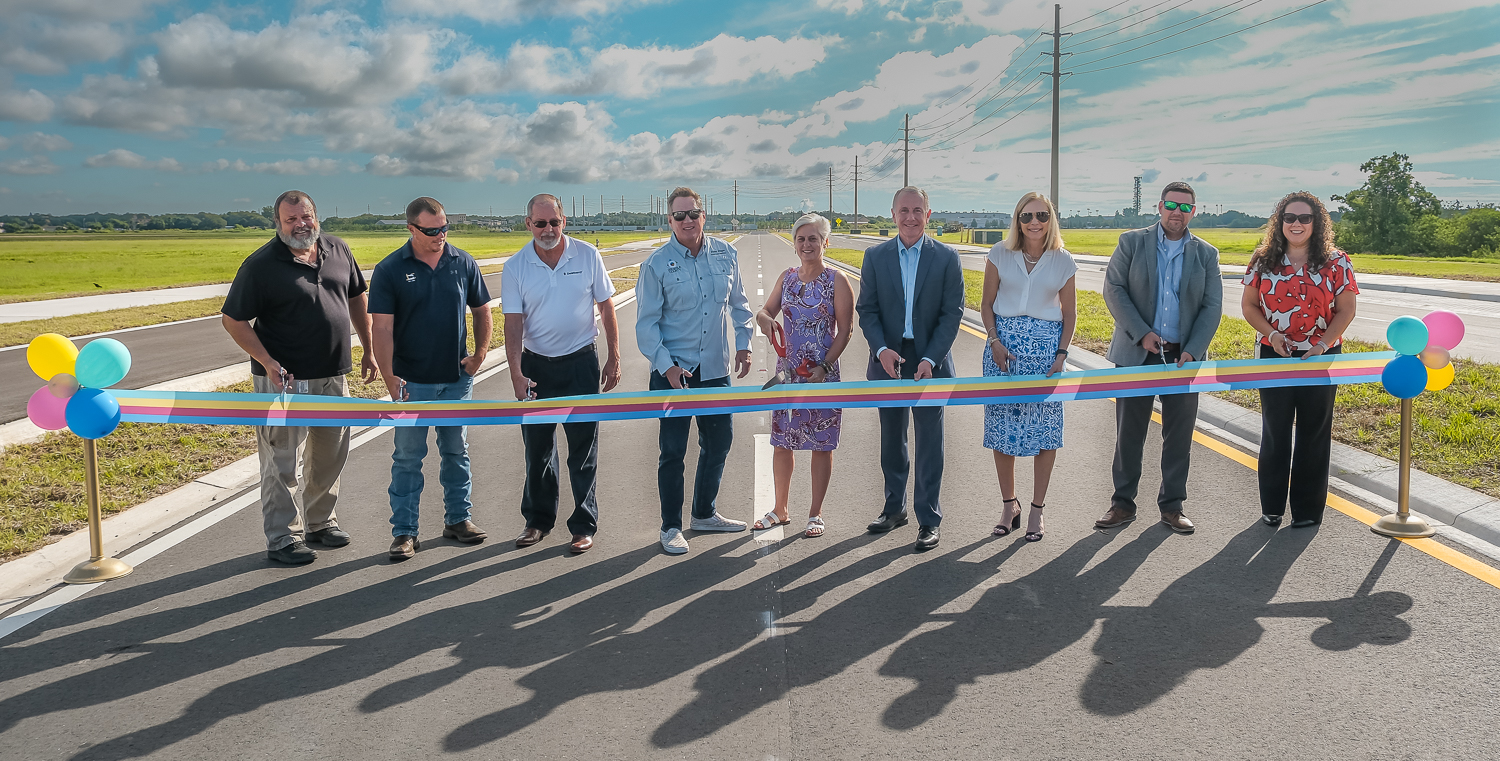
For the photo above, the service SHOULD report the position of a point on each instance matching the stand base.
(1411, 527)
(94, 571)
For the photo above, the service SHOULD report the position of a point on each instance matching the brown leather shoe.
(404, 548)
(581, 543)
(530, 536)
(465, 532)
(1177, 522)
(1115, 518)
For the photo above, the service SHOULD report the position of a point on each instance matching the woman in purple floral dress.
(817, 307)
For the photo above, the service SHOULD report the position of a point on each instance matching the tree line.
(1392, 213)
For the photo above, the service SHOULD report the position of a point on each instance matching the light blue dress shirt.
(908, 259)
(1168, 278)
(685, 306)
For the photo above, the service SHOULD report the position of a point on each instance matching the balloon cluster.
(1423, 346)
(75, 397)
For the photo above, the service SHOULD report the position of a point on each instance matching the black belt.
(1174, 348)
(586, 350)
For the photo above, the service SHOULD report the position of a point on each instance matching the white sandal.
(815, 527)
(769, 521)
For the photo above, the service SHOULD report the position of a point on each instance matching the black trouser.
(895, 462)
(715, 437)
(1295, 468)
(1179, 414)
(571, 375)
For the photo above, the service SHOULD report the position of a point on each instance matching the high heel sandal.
(1035, 536)
(1001, 529)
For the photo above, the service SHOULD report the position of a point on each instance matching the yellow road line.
(1482, 571)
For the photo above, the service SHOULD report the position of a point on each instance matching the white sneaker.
(717, 522)
(674, 542)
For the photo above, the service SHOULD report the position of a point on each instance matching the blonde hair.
(824, 228)
(1054, 226)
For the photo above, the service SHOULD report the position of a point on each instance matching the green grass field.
(56, 266)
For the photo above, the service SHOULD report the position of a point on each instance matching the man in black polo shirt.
(303, 290)
(418, 297)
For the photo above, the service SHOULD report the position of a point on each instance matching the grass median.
(41, 484)
(1455, 432)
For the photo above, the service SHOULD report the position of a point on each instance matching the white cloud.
(32, 165)
(41, 142)
(623, 71)
(313, 165)
(330, 59)
(4, 142)
(28, 106)
(506, 11)
(120, 158)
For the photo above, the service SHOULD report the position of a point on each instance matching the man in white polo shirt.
(548, 292)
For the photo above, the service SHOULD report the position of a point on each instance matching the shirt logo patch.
(671, 264)
(411, 277)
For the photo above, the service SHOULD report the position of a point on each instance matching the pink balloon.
(1444, 329)
(46, 411)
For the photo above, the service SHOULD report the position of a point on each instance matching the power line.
(1097, 13)
(1205, 42)
(1174, 34)
(938, 143)
(1128, 15)
(1189, 20)
(1001, 73)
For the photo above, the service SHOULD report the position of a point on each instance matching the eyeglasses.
(689, 214)
(1185, 208)
(1041, 216)
(431, 232)
(543, 223)
(1288, 218)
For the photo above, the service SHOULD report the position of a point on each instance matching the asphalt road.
(1375, 312)
(177, 350)
(1239, 642)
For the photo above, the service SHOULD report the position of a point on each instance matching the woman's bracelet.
(827, 367)
(1061, 353)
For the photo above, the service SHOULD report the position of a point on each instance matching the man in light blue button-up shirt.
(688, 298)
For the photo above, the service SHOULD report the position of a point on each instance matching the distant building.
(974, 220)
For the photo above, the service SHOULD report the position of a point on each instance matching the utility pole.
(906, 153)
(830, 193)
(856, 191)
(1056, 74)
(575, 205)
(736, 199)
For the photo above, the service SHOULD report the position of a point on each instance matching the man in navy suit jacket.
(911, 300)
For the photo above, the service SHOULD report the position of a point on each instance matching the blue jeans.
(715, 436)
(411, 448)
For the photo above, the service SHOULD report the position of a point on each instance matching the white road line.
(765, 488)
(760, 291)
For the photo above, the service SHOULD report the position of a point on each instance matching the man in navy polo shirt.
(418, 297)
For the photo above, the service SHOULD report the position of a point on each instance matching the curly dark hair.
(1272, 248)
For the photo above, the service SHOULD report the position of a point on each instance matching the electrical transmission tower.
(1137, 194)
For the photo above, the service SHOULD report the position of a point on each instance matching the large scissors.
(778, 342)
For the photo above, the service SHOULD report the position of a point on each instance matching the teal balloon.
(102, 363)
(1407, 335)
(93, 413)
(1404, 377)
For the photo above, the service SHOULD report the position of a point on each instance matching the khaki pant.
(322, 451)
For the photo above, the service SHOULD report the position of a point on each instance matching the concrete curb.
(1442, 501)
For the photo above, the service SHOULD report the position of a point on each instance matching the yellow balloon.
(50, 354)
(1441, 378)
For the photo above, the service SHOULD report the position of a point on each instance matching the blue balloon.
(1404, 377)
(1407, 335)
(93, 413)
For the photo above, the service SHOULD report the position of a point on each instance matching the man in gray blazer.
(911, 300)
(1163, 288)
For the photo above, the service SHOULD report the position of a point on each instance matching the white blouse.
(1035, 293)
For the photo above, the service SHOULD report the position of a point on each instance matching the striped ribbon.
(1150, 380)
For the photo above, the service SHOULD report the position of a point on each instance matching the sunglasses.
(1041, 216)
(1185, 208)
(431, 232)
(689, 214)
(543, 223)
(1288, 218)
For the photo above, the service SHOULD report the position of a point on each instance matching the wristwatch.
(1061, 353)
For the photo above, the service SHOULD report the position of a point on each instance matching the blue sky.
(150, 106)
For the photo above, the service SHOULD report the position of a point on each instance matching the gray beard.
(299, 243)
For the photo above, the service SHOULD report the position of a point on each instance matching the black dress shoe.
(296, 553)
(1270, 520)
(333, 536)
(927, 537)
(885, 523)
(1305, 522)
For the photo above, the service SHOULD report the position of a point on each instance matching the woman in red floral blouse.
(1300, 296)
